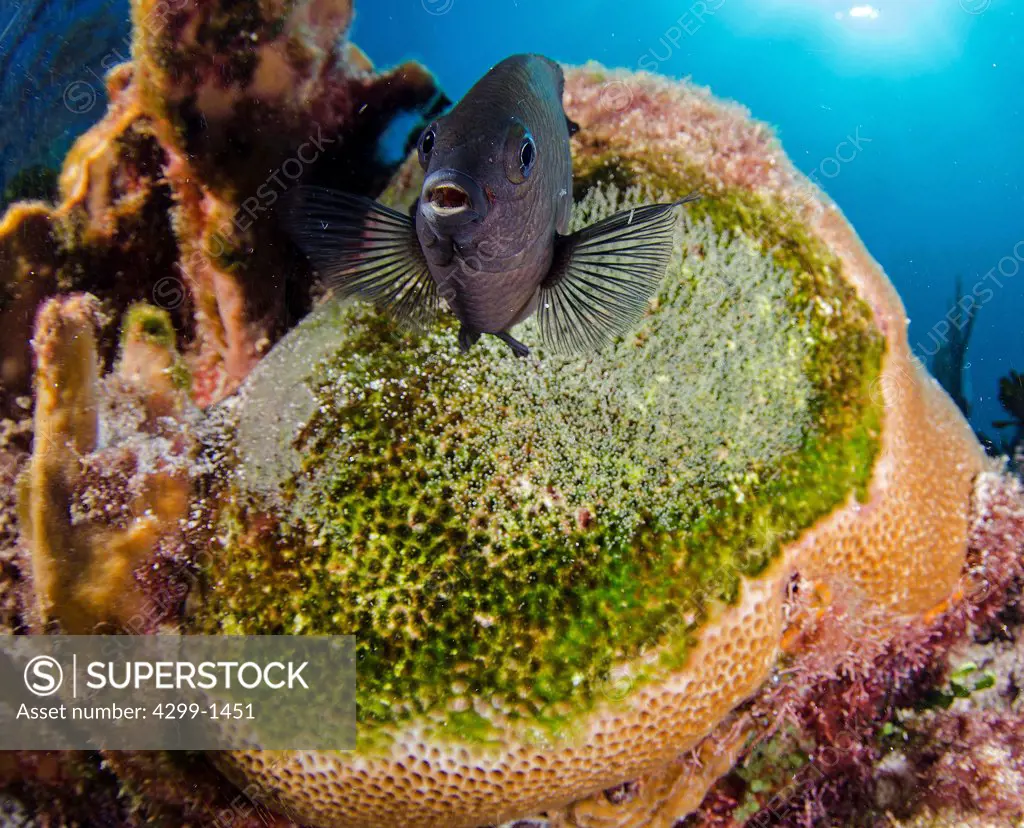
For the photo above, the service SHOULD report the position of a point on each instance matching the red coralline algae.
(835, 720)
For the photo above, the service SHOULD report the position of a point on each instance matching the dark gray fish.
(487, 235)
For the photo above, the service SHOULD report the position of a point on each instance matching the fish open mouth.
(449, 198)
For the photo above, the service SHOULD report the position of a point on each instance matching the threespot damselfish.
(488, 235)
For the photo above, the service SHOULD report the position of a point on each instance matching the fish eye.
(527, 155)
(520, 154)
(427, 145)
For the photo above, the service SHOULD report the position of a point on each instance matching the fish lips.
(451, 199)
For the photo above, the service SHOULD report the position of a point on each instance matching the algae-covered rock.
(564, 572)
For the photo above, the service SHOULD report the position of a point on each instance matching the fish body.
(488, 234)
(489, 268)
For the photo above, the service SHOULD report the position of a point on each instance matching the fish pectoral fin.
(363, 249)
(573, 126)
(603, 277)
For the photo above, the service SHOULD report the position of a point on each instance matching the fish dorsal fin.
(363, 249)
(603, 276)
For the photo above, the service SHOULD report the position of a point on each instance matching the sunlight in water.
(866, 36)
(868, 12)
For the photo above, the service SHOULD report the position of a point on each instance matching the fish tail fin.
(362, 249)
(603, 277)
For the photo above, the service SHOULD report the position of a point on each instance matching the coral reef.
(566, 574)
(166, 198)
(135, 220)
(748, 543)
(861, 730)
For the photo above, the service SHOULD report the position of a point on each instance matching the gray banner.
(166, 692)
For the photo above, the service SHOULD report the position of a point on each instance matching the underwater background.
(907, 113)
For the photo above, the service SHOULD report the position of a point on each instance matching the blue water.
(931, 91)
(934, 90)
(53, 55)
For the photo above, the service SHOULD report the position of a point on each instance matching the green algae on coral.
(517, 528)
(149, 324)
